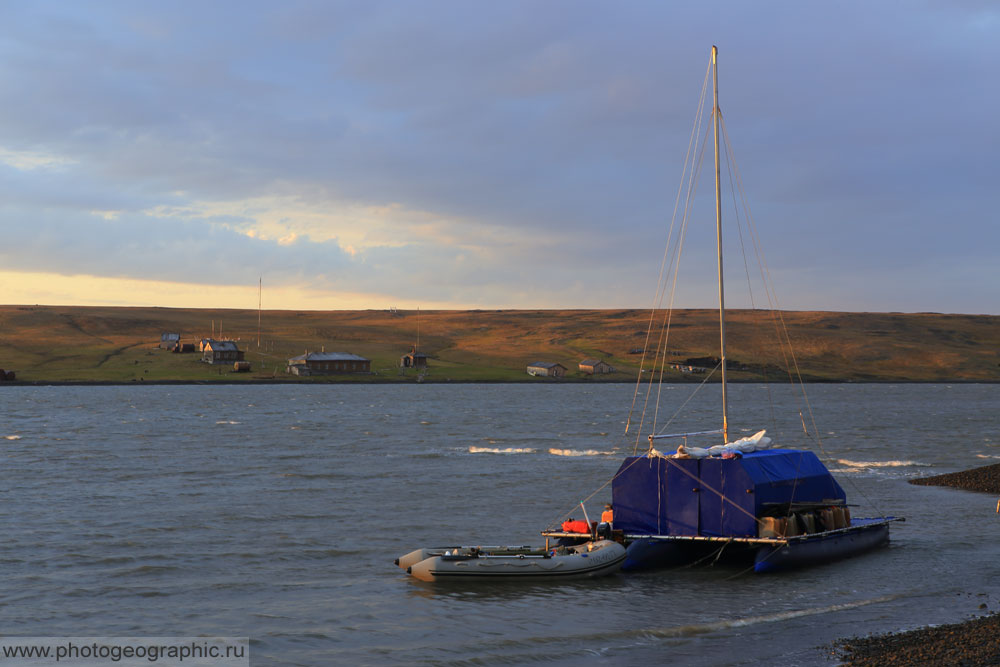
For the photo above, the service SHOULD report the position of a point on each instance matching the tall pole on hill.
(260, 285)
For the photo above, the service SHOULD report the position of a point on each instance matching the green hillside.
(61, 343)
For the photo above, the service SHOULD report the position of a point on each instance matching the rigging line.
(718, 555)
(784, 342)
(786, 338)
(812, 419)
(699, 114)
(785, 345)
(659, 496)
(658, 357)
(689, 398)
(691, 172)
(668, 313)
(730, 165)
(748, 570)
(733, 171)
(672, 462)
(715, 552)
(601, 488)
(664, 333)
(786, 348)
(664, 337)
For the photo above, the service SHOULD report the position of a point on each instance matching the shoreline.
(982, 479)
(341, 380)
(972, 642)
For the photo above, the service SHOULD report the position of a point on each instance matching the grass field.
(98, 344)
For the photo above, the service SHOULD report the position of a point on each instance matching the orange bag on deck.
(576, 527)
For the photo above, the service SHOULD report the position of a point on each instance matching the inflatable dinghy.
(590, 559)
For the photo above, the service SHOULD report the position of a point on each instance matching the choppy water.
(275, 512)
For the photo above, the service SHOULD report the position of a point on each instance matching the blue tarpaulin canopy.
(715, 496)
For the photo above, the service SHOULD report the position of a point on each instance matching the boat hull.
(658, 552)
(586, 561)
(821, 548)
(652, 554)
(418, 555)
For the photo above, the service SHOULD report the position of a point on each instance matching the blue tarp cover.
(716, 496)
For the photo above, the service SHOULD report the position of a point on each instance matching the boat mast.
(718, 235)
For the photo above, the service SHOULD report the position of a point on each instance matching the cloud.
(514, 153)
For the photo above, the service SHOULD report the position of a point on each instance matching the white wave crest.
(227, 421)
(980, 456)
(12, 437)
(501, 450)
(579, 452)
(881, 464)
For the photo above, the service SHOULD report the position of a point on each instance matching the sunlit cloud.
(32, 160)
(88, 290)
(453, 153)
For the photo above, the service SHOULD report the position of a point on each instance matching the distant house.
(595, 367)
(220, 352)
(183, 347)
(326, 363)
(413, 359)
(687, 368)
(169, 340)
(546, 369)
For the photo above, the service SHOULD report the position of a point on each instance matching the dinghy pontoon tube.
(592, 559)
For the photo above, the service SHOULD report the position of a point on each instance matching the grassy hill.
(63, 343)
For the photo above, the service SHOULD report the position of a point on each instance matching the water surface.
(275, 512)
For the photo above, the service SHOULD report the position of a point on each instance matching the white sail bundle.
(746, 445)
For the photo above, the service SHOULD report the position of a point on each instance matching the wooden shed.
(413, 359)
(546, 369)
(327, 363)
(595, 367)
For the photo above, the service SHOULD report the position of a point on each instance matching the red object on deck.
(576, 527)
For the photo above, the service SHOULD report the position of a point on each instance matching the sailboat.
(742, 499)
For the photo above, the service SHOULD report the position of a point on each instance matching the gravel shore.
(975, 642)
(985, 479)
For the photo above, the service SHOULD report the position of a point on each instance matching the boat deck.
(857, 525)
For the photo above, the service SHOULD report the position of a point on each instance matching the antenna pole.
(260, 285)
(716, 112)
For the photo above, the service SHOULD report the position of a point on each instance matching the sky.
(464, 154)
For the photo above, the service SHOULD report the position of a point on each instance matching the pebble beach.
(973, 642)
